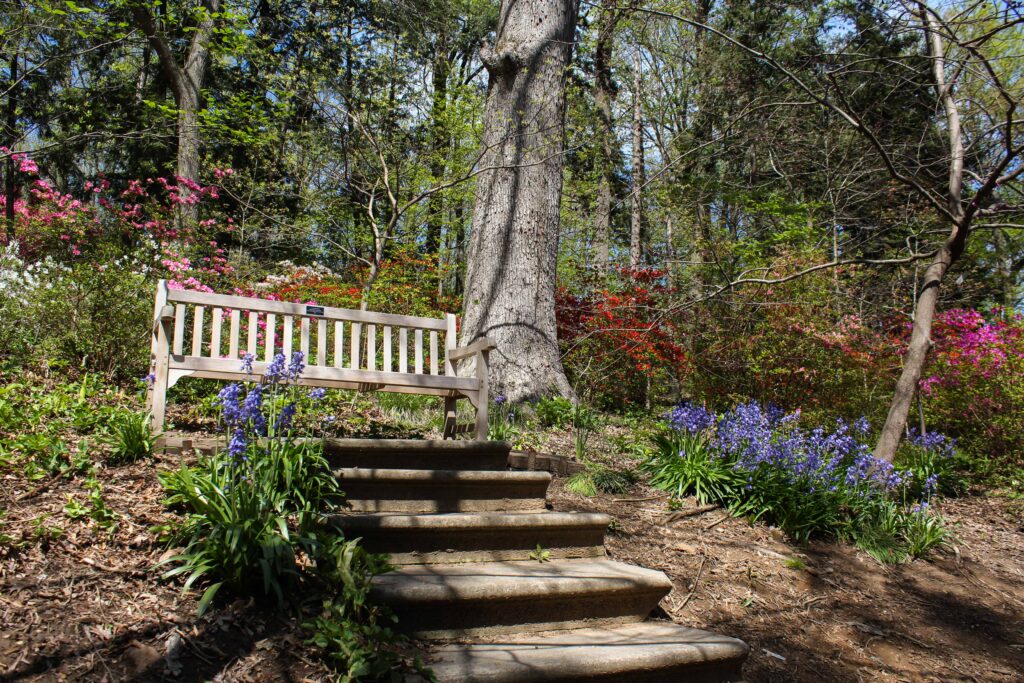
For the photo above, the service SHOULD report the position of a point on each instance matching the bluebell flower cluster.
(242, 410)
(934, 442)
(690, 418)
(296, 366)
(317, 394)
(760, 439)
(284, 420)
(275, 370)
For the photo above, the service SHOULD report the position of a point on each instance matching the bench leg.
(450, 410)
(482, 426)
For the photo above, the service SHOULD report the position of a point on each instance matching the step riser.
(417, 455)
(713, 672)
(410, 496)
(482, 545)
(456, 619)
(430, 505)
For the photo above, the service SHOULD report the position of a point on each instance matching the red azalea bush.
(620, 340)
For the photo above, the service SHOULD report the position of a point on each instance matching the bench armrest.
(166, 317)
(481, 345)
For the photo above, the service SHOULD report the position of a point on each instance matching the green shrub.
(248, 518)
(554, 411)
(684, 464)
(130, 438)
(80, 316)
(598, 478)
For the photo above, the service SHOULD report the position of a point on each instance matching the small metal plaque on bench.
(314, 310)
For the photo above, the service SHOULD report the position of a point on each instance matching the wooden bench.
(196, 334)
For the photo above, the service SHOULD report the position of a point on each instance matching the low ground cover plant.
(760, 462)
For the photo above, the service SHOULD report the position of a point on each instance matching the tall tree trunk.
(603, 96)
(186, 84)
(951, 250)
(439, 143)
(636, 233)
(513, 247)
(11, 139)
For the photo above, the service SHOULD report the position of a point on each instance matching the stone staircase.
(460, 528)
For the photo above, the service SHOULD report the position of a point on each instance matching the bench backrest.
(223, 327)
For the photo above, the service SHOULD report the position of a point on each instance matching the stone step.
(417, 454)
(652, 652)
(452, 601)
(476, 536)
(385, 490)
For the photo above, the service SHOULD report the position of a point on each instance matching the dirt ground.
(85, 604)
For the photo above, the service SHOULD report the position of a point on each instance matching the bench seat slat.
(197, 332)
(287, 338)
(253, 336)
(403, 350)
(179, 328)
(215, 330)
(270, 342)
(321, 342)
(339, 344)
(235, 330)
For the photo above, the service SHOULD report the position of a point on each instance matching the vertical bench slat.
(269, 340)
(356, 332)
(449, 344)
(339, 344)
(179, 329)
(321, 342)
(236, 316)
(403, 350)
(289, 332)
(371, 347)
(215, 329)
(419, 352)
(433, 352)
(304, 339)
(387, 349)
(252, 337)
(197, 332)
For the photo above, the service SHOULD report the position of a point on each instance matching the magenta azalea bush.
(974, 385)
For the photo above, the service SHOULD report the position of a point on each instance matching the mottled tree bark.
(186, 83)
(439, 143)
(511, 257)
(603, 95)
(636, 233)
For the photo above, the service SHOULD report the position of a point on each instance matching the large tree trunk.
(513, 248)
(636, 235)
(603, 95)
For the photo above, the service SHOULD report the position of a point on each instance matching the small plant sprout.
(540, 555)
